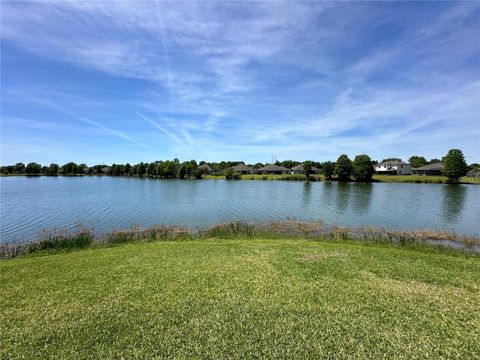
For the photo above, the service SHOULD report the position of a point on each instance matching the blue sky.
(104, 82)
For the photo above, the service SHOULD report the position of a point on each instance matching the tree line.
(343, 169)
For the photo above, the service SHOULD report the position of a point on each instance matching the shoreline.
(83, 237)
(405, 179)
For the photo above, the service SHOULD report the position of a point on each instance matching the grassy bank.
(377, 178)
(422, 179)
(80, 238)
(241, 298)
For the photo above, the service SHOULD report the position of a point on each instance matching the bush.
(232, 175)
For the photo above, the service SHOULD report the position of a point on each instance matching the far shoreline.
(410, 179)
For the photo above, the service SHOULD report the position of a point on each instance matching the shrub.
(232, 175)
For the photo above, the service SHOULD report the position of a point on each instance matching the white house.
(393, 167)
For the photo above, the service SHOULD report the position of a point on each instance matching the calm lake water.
(29, 205)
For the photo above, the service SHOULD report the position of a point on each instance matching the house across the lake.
(393, 167)
(474, 173)
(299, 170)
(273, 169)
(242, 169)
(205, 168)
(431, 169)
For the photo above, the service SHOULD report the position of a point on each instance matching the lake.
(32, 204)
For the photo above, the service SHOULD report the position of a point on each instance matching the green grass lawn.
(241, 299)
(379, 178)
(422, 179)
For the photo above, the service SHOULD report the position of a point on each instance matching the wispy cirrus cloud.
(239, 80)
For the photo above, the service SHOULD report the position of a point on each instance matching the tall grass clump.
(154, 233)
(317, 231)
(57, 239)
(229, 230)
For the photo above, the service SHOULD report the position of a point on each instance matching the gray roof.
(273, 167)
(241, 167)
(434, 166)
(106, 169)
(205, 167)
(392, 162)
(300, 168)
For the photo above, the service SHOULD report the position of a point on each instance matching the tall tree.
(307, 169)
(362, 168)
(328, 168)
(69, 169)
(454, 165)
(417, 161)
(82, 168)
(343, 168)
(182, 171)
(19, 168)
(127, 168)
(141, 169)
(33, 168)
(53, 169)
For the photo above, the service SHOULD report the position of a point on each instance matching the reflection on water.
(343, 196)
(361, 197)
(453, 202)
(307, 193)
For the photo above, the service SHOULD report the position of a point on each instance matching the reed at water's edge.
(63, 239)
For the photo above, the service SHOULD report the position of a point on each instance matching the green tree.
(53, 169)
(328, 168)
(82, 168)
(69, 169)
(19, 168)
(191, 168)
(169, 169)
(232, 175)
(7, 169)
(417, 161)
(182, 171)
(141, 169)
(134, 170)
(307, 169)
(127, 168)
(454, 165)
(33, 168)
(362, 168)
(151, 169)
(343, 168)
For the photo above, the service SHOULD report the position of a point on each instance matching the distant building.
(430, 170)
(242, 169)
(205, 168)
(393, 167)
(273, 169)
(299, 170)
(474, 173)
